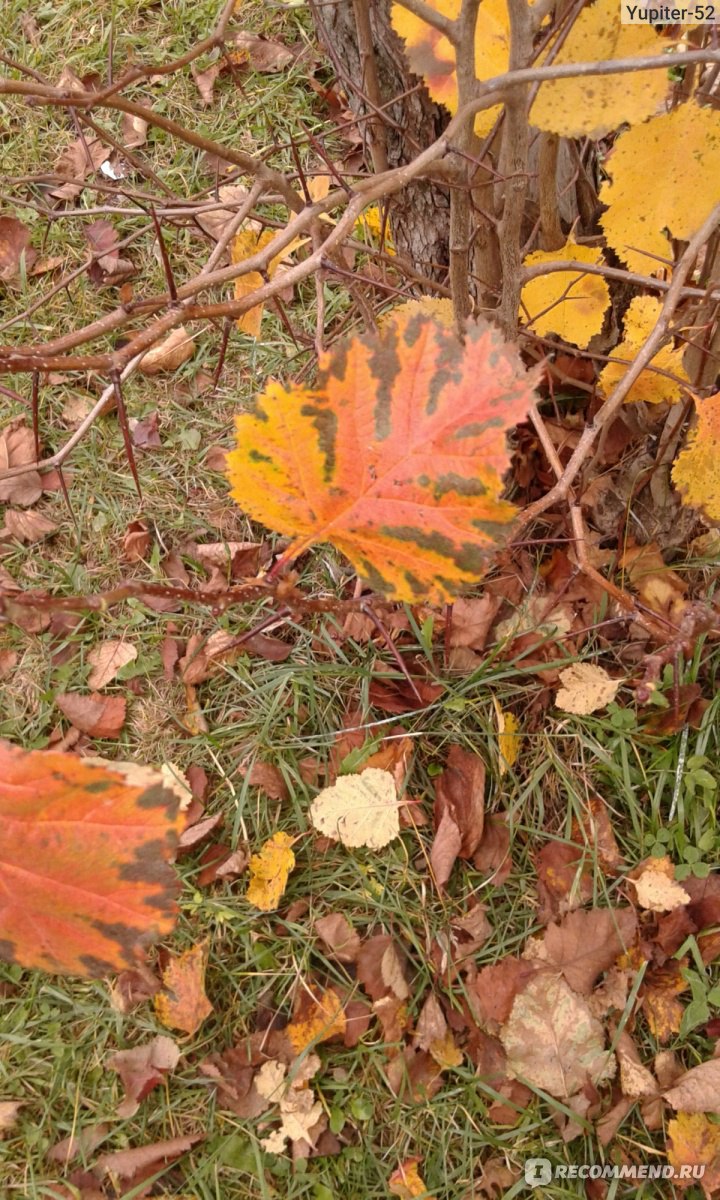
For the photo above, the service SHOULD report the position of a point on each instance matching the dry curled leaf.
(655, 886)
(169, 354)
(14, 247)
(141, 1069)
(342, 941)
(402, 444)
(358, 810)
(106, 659)
(97, 715)
(698, 1090)
(585, 689)
(17, 449)
(269, 872)
(183, 1003)
(27, 526)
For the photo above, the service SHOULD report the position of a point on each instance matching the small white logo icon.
(538, 1172)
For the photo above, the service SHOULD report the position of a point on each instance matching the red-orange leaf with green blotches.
(396, 456)
(85, 847)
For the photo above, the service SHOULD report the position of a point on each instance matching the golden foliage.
(567, 303)
(696, 473)
(431, 55)
(639, 320)
(269, 872)
(592, 105)
(664, 176)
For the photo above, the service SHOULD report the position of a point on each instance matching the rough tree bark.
(420, 215)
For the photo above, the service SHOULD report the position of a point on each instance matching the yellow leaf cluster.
(696, 473)
(664, 176)
(269, 872)
(592, 105)
(639, 320)
(244, 245)
(431, 55)
(567, 303)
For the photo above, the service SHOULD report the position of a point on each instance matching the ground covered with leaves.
(448, 893)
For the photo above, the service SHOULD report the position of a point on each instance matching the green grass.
(57, 1033)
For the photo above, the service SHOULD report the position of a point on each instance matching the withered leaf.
(14, 244)
(584, 944)
(342, 941)
(141, 1069)
(460, 793)
(183, 1004)
(97, 715)
(106, 659)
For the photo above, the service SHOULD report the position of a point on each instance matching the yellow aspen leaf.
(663, 176)
(407, 1183)
(439, 307)
(244, 245)
(568, 303)
(359, 810)
(269, 872)
(396, 456)
(321, 1019)
(694, 1140)
(591, 105)
(432, 56)
(371, 225)
(509, 739)
(696, 473)
(183, 1003)
(639, 321)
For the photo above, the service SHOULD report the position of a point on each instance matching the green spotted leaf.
(396, 457)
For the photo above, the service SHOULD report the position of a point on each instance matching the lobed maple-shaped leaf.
(432, 56)
(695, 473)
(396, 457)
(592, 105)
(85, 881)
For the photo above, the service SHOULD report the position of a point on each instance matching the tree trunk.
(420, 213)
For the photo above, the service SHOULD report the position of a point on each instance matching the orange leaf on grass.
(84, 853)
(183, 1003)
(319, 1018)
(396, 457)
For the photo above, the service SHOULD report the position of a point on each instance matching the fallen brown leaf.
(267, 777)
(584, 944)
(97, 715)
(17, 449)
(342, 941)
(14, 245)
(170, 353)
(137, 541)
(127, 1163)
(141, 1069)
(553, 1041)
(260, 53)
(698, 1090)
(27, 526)
(656, 887)
(106, 659)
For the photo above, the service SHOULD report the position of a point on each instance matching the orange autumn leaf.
(269, 872)
(320, 1019)
(694, 1141)
(183, 1003)
(85, 847)
(396, 457)
(432, 56)
(696, 472)
(407, 1183)
(661, 988)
